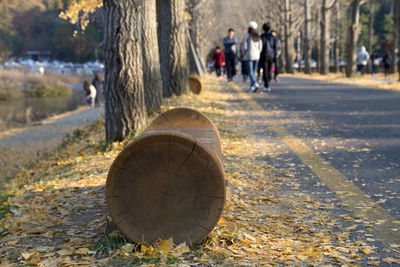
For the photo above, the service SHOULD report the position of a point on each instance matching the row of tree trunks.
(132, 62)
(125, 110)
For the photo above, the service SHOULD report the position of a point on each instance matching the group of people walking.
(256, 53)
(363, 58)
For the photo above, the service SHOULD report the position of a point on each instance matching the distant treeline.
(35, 26)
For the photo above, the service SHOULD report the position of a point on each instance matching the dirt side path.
(19, 147)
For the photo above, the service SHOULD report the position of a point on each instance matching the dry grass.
(379, 82)
(16, 84)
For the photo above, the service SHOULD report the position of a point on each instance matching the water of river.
(17, 113)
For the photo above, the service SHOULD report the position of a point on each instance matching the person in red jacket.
(219, 60)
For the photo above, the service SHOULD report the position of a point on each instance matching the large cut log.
(169, 182)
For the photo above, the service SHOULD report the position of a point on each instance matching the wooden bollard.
(169, 182)
(195, 84)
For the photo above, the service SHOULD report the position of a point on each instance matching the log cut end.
(166, 184)
(195, 84)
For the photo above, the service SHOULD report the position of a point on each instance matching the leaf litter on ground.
(58, 212)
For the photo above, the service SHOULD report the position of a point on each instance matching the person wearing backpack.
(267, 56)
(251, 46)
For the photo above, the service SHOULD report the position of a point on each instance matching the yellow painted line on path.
(384, 226)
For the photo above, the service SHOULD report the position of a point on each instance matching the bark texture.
(337, 32)
(353, 31)
(173, 46)
(325, 37)
(307, 32)
(397, 29)
(151, 58)
(396, 36)
(289, 37)
(372, 5)
(125, 111)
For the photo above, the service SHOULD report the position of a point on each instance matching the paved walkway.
(343, 140)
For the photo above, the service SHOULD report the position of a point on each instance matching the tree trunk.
(289, 38)
(282, 66)
(370, 31)
(307, 31)
(396, 36)
(325, 38)
(337, 30)
(193, 32)
(317, 44)
(351, 48)
(173, 46)
(151, 58)
(125, 111)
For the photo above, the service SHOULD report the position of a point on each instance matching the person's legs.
(245, 72)
(276, 72)
(234, 66)
(267, 75)
(264, 66)
(255, 67)
(362, 69)
(218, 71)
(252, 68)
(387, 68)
(97, 102)
(230, 65)
(259, 67)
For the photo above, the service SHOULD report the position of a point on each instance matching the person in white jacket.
(90, 94)
(362, 60)
(251, 49)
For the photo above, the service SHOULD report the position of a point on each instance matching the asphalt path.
(353, 129)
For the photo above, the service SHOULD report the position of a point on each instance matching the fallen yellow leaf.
(26, 255)
(367, 251)
(82, 251)
(166, 245)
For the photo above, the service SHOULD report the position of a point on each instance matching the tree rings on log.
(195, 84)
(169, 182)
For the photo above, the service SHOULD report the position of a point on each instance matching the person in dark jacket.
(278, 54)
(230, 43)
(387, 63)
(268, 54)
(219, 60)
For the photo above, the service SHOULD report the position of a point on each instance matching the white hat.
(252, 24)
